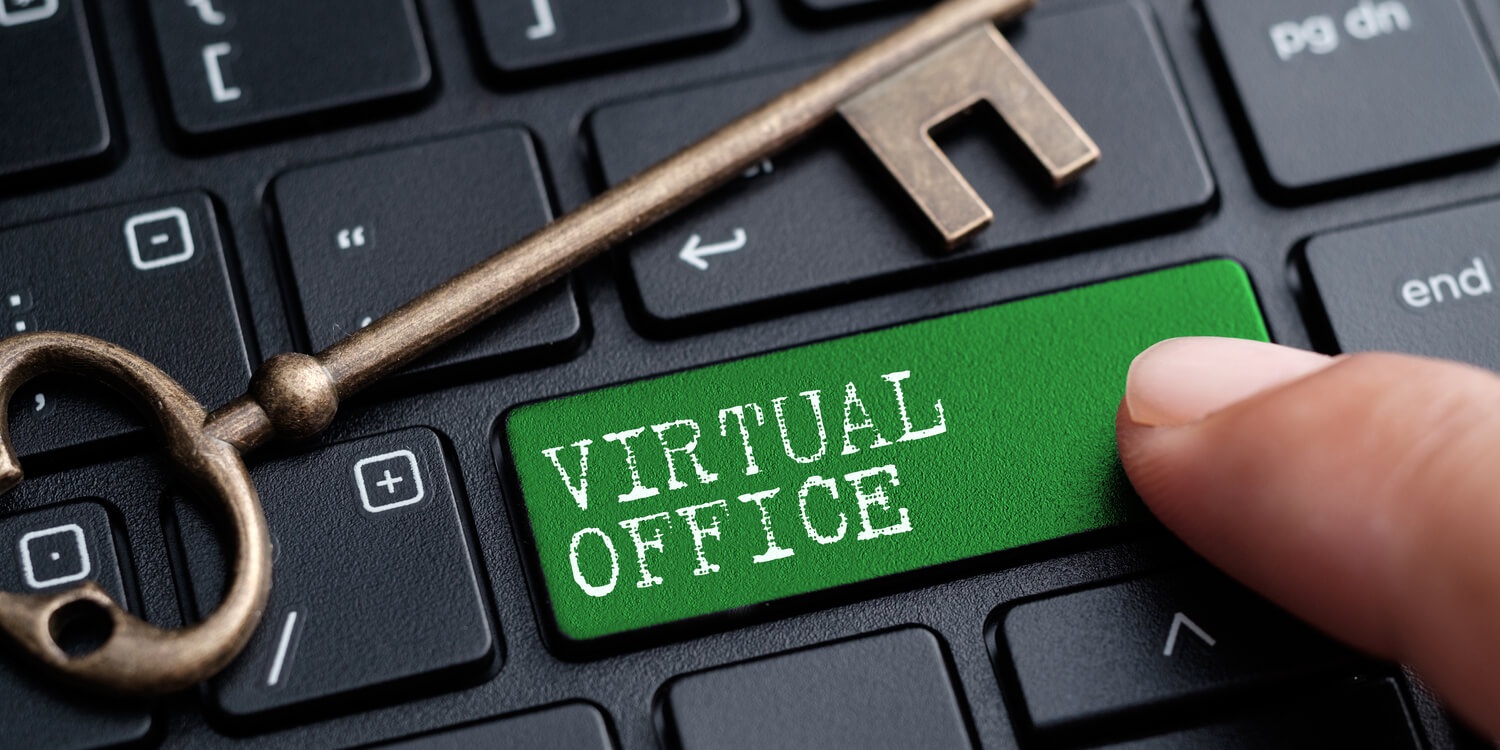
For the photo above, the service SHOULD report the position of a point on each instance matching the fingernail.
(1180, 381)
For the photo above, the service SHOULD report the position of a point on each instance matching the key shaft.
(296, 395)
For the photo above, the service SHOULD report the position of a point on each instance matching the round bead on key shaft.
(297, 395)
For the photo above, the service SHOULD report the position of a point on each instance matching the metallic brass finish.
(296, 395)
(139, 657)
(240, 423)
(895, 117)
(437, 316)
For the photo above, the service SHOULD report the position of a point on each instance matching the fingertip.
(1182, 380)
(1359, 495)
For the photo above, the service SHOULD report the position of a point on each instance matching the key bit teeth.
(895, 118)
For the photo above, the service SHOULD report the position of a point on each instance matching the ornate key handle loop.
(138, 657)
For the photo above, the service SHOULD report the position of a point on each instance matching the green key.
(845, 461)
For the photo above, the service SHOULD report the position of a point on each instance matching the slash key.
(374, 592)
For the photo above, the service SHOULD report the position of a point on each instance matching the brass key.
(892, 92)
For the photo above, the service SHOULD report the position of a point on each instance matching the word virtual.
(683, 444)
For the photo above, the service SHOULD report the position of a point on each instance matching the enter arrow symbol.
(1178, 621)
(694, 252)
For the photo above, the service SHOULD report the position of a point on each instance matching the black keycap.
(374, 594)
(234, 64)
(1423, 285)
(883, 691)
(1368, 715)
(49, 88)
(833, 7)
(1146, 642)
(522, 36)
(574, 726)
(825, 216)
(47, 551)
(150, 277)
(1337, 90)
(368, 234)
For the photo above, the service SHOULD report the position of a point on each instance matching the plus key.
(400, 575)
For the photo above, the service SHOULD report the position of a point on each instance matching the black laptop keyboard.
(209, 182)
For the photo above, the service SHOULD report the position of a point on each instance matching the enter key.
(694, 494)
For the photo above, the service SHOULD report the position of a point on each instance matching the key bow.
(137, 657)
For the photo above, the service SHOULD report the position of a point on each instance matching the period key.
(742, 483)
(46, 551)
